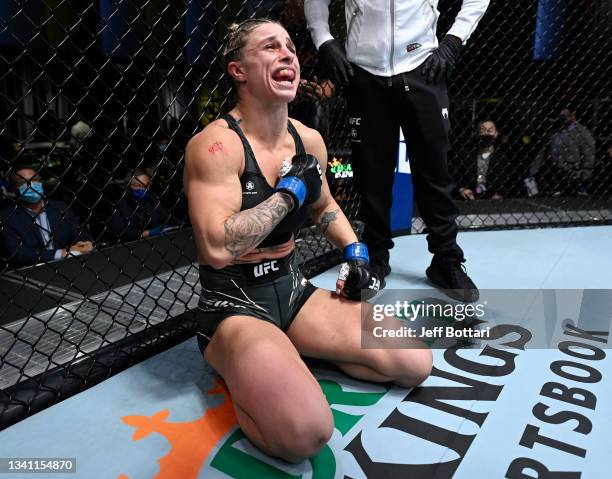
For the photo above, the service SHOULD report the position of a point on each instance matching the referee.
(396, 73)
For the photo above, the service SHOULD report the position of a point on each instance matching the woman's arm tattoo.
(245, 230)
(327, 219)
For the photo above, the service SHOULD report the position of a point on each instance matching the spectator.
(565, 164)
(161, 148)
(486, 173)
(36, 230)
(139, 213)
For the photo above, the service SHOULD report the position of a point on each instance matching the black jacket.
(131, 217)
(20, 236)
(499, 177)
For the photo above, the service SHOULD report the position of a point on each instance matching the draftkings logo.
(368, 418)
(339, 169)
(392, 432)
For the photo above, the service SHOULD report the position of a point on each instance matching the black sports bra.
(255, 187)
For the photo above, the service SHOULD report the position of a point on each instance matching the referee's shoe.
(448, 274)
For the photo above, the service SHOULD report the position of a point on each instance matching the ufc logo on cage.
(264, 268)
(355, 123)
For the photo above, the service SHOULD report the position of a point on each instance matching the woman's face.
(268, 66)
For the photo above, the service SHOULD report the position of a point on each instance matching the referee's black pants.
(378, 106)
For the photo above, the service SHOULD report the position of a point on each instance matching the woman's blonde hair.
(237, 35)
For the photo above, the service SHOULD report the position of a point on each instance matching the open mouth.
(284, 75)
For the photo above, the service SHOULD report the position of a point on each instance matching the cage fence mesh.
(99, 98)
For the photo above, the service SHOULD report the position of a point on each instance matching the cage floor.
(167, 418)
(87, 324)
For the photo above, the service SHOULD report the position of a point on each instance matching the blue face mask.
(32, 193)
(140, 194)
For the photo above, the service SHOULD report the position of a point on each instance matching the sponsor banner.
(340, 172)
(401, 209)
(340, 168)
(502, 408)
(489, 413)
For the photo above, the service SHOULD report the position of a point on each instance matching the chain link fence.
(98, 99)
(524, 65)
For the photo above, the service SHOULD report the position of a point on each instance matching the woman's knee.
(406, 367)
(302, 436)
(417, 370)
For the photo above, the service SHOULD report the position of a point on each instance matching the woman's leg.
(330, 327)
(279, 404)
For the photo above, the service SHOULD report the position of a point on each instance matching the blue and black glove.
(301, 179)
(360, 282)
(441, 62)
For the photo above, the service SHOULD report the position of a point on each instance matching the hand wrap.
(360, 281)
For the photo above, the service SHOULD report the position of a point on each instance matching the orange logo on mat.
(191, 441)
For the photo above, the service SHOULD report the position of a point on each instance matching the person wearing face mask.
(565, 165)
(35, 229)
(139, 213)
(161, 148)
(485, 175)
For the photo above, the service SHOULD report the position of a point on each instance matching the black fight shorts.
(272, 290)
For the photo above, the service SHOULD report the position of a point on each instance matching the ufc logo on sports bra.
(265, 268)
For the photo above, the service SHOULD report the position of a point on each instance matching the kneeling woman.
(252, 179)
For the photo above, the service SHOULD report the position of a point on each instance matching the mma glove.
(301, 179)
(334, 61)
(441, 62)
(360, 282)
